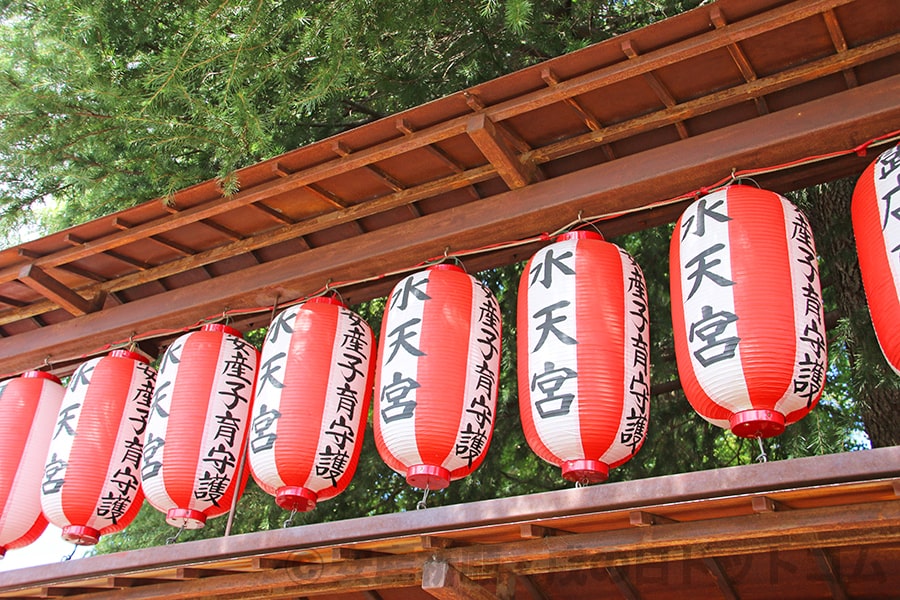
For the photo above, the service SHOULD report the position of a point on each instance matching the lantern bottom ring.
(187, 518)
(585, 471)
(761, 423)
(432, 477)
(296, 498)
(81, 535)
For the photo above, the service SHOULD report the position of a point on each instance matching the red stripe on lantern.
(198, 425)
(91, 481)
(583, 337)
(876, 227)
(312, 401)
(28, 408)
(436, 384)
(747, 311)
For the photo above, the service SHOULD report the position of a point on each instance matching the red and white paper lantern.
(28, 408)
(198, 425)
(876, 226)
(437, 377)
(583, 352)
(747, 311)
(91, 485)
(312, 402)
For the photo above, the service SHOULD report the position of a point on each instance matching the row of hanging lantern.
(749, 337)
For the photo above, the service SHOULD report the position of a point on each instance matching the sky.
(49, 548)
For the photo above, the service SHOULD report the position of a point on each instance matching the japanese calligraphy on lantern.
(747, 310)
(584, 356)
(311, 400)
(437, 385)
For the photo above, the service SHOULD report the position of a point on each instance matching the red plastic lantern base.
(431, 477)
(186, 517)
(81, 535)
(2, 551)
(292, 497)
(585, 471)
(762, 423)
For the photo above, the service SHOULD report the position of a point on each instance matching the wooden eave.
(619, 128)
(819, 527)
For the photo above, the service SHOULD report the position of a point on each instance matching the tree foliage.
(108, 103)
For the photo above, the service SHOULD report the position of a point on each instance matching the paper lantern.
(198, 425)
(437, 377)
(28, 408)
(91, 485)
(747, 311)
(876, 226)
(312, 402)
(583, 352)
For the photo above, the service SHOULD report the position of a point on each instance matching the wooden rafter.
(517, 173)
(41, 282)
(840, 44)
(661, 91)
(740, 59)
(441, 580)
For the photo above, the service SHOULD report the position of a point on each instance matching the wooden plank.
(840, 44)
(511, 169)
(836, 122)
(877, 522)
(442, 581)
(740, 59)
(56, 292)
(661, 91)
(589, 119)
(818, 477)
(722, 581)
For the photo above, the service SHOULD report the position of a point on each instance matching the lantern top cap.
(41, 375)
(446, 267)
(580, 234)
(327, 300)
(220, 328)
(123, 353)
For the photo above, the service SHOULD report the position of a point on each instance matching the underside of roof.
(620, 130)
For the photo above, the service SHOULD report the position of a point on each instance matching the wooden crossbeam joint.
(50, 288)
(530, 531)
(497, 151)
(442, 580)
(640, 518)
(764, 504)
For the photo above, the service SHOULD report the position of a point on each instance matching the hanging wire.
(581, 483)
(174, 538)
(762, 451)
(71, 554)
(290, 520)
(421, 504)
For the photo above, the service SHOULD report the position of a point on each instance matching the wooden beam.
(840, 44)
(511, 169)
(722, 581)
(585, 115)
(534, 591)
(832, 578)
(740, 59)
(442, 581)
(640, 518)
(621, 580)
(840, 121)
(56, 292)
(506, 585)
(661, 91)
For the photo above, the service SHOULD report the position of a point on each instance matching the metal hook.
(274, 308)
(290, 520)
(174, 538)
(421, 503)
(762, 451)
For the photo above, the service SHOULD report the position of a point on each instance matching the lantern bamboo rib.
(885, 139)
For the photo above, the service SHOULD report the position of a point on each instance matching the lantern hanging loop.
(274, 308)
(290, 520)
(762, 451)
(174, 538)
(71, 554)
(420, 505)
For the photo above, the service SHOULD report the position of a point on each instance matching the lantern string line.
(762, 451)
(230, 314)
(290, 520)
(71, 554)
(174, 538)
(421, 504)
